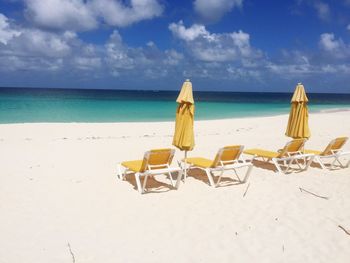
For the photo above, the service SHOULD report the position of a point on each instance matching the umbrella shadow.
(152, 185)
(226, 180)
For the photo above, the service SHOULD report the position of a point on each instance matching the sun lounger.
(333, 150)
(227, 158)
(286, 157)
(154, 162)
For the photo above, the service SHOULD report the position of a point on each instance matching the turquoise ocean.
(29, 105)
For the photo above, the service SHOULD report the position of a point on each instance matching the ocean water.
(62, 105)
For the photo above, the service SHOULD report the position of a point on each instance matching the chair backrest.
(293, 146)
(228, 155)
(157, 159)
(335, 145)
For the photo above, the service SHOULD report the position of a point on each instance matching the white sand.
(58, 185)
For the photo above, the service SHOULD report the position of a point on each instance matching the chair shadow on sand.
(152, 185)
(226, 180)
(327, 165)
(271, 167)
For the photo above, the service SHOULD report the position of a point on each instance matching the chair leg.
(138, 183)
(119, 171)
(333, 163)
(239, 179)
(289, 166)
(219, 179)
(309, 162)
(275, 162)
(318, 159)
(171, 180)
(337, 159)
(211, 180)
(144, 183)
(247, 174)
(183, 169)
(297, 162)
(178, 180)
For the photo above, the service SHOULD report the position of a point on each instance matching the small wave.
(334, 110)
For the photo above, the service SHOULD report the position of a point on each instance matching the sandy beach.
(61, 201)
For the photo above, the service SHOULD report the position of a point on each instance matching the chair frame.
(222, 167)
(290, 159)
(151, 170)
(336, 154)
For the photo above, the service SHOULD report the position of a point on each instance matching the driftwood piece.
(72, 254)
(346, 231)
(319, 196)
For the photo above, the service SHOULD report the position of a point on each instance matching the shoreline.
(326, 111)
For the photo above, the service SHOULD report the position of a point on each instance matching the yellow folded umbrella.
(184, 135)
(298, 123)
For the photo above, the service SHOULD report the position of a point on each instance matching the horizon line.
(168, 90)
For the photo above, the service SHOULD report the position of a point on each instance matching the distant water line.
(61, 105)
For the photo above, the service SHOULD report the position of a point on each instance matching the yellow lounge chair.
(227, 158)
(290, 154)
(154, 162)
(333, 150)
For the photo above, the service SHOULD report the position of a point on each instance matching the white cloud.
(334, 47)
(348, 27)
(116, 13)
(213, 10)
(321, 7)
(117, 56)
(39, 43)
(61, 14)
(80, 15)
(188, 34)
(19, 40)
(147, 61)
(6, 33)
(243, 74)
(172, 57)
(86, 63)
(291, 70)
(206, 46)
(323, 10)
(329, 43)
(31, 49)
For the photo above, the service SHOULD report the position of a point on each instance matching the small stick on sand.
(70, 251)
(346, 231)
(246, 190)
(306, 191)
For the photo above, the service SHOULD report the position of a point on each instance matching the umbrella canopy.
(298, 123)
(184, 136)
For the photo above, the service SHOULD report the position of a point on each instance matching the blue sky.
(231, 45)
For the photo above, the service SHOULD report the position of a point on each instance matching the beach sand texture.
(61, 201)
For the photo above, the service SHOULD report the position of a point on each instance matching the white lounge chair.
(286, 157)
(332, 151)
(154, 162)
(227, 158)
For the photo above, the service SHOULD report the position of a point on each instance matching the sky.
(221, 45)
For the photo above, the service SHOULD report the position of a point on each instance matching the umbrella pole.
(185, 166)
